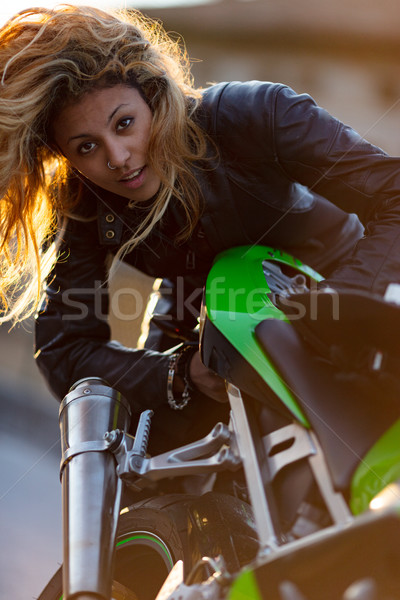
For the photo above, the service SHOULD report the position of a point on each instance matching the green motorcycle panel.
(236, 300)
(379, 468)
(245, 587)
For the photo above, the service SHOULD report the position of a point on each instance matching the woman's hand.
(207, 381)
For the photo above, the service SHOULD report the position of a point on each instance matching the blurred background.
(346, 54)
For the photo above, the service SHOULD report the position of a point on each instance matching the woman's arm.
(72, 333)
(321, 152)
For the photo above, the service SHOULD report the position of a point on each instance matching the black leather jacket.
(288, 174)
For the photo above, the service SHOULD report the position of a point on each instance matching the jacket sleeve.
(72, 334)
(319, 151)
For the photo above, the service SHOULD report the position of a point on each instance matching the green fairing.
(245, 588)
(236, 301)
(379, 467)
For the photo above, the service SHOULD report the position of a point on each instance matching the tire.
(150, 540)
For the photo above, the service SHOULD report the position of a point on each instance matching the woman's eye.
(86, 147)
(124, 123)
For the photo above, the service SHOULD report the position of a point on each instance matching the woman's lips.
(132, 174)
(134, 178)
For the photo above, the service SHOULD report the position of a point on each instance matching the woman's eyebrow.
(115, 111)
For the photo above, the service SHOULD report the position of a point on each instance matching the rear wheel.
(151, 539)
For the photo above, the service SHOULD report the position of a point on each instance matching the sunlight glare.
(7, 10)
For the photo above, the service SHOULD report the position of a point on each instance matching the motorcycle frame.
(228, 448)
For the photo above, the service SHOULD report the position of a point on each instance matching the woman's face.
(110, 126)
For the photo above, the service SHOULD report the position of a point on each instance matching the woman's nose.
(117, 155)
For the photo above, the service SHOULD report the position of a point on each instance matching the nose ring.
(110, 167)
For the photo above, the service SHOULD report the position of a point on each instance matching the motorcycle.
(299, 493)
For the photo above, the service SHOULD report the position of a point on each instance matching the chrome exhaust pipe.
(91, 490)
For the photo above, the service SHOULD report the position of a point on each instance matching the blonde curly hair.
(49, 58)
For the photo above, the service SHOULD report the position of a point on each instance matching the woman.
(108, 149)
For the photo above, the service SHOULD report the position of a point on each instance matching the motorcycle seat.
(347, 318)
(348, 415)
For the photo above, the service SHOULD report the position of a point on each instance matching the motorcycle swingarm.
(330, 565)
(326, 565)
